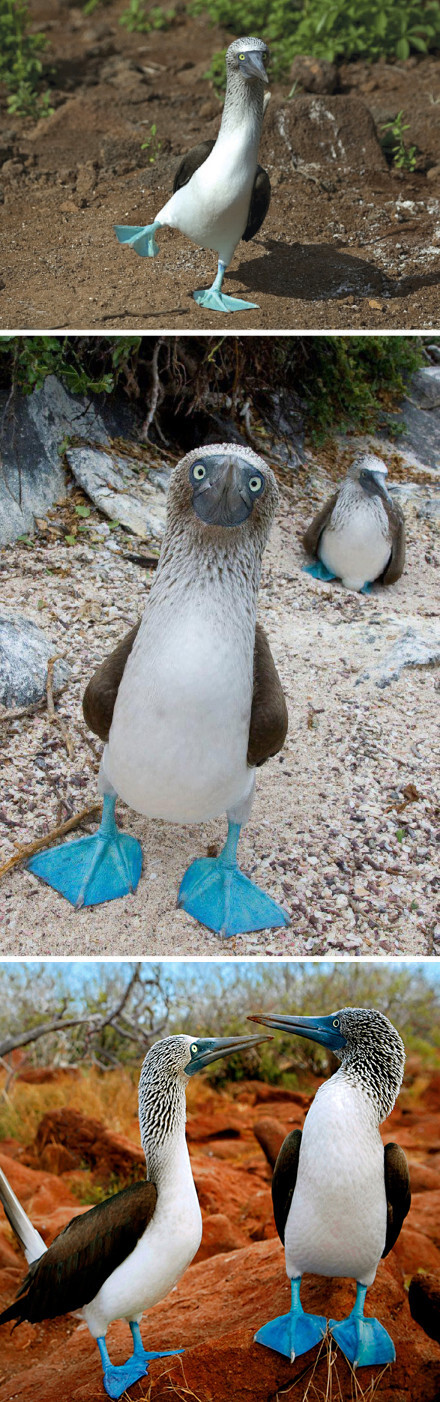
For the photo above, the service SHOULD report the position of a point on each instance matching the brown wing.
(269, 718)
(396, 562)
(260, 201)
(313, 533)
(398, 1193)
(191, 162)
(284, 1180)
(100, 694)
(82, 1257)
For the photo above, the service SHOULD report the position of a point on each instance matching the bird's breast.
(356, 545)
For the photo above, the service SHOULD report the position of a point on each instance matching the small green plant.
(402, 157)
(152, 145)
(21, 64)
(138, 19)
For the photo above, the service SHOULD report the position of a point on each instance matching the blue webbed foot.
(116, 1380)
(294, 1333)
(219, 302)
(140, 237)
(366, 589)
(92, 869)
(363, 1341)
(319, 571)
(217, 894)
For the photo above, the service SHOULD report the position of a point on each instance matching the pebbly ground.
(344, 830)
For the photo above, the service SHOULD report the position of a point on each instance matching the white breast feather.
(356, 545)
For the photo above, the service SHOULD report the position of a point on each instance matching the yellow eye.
(194, 1047)
(199, 471)
(255, 483)
(242, 55)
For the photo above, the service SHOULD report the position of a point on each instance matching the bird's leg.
(294, 1333)
(140, 237)
(93, 869)
(214, 298)
(140, 1354)
(217, 894)
(364, 1342)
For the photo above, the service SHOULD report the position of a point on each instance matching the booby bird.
(220, 193)
(189, 703)
(339, 1196)
(358, 536)
(128, 1252)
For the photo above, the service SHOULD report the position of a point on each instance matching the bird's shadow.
(319, 272)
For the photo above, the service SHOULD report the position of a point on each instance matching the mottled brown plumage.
(83, 1256)
(260, 198)
(269, 719)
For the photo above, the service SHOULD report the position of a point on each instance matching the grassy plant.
(332, 29)
(402, 156)
(21, 64)
(152, 145)
(139, 20)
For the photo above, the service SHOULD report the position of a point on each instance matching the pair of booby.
(358, 536)
(190, 702)
(220, 193)
(126, 1254)
(339, 1197)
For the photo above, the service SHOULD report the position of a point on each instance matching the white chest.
(178, 742)
(213, 208)
(356, 545)
(337, 1221)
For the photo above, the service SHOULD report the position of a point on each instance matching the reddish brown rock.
(424, 1179)
(425, 1215)
(414, 1251)
(270, 1135)
(424, 1303)
(89, 1142)
(219, 1234)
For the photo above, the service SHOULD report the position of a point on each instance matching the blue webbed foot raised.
(295, 1333)
(219, 302)
(140, 237)
(319, 571)
(363, 1341)
(217, 894)
(92, 869)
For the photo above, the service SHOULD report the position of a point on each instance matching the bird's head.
(222, 488)
(248, 57)
(364, 1040)
(164, 1079)
(371, 474)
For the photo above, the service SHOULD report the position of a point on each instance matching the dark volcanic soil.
(347, 242)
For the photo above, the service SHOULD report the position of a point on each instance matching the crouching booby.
(126, 1254)
(339, 1196)
(190, 702)
(220, 193)
(358, 536)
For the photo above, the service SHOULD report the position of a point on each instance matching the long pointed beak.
(207, 1049)
(316, 1029)
(254, 67)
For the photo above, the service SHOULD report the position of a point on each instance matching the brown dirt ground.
(353, 251)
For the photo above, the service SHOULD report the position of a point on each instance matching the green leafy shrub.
(21, 65)
(331, 29)
(393, 144)
(138, 19)
(352, 381)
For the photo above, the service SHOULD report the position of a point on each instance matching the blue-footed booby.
(358, 536)
(220, 194)
(128, 1252)
(339, 1196)
(190, 703)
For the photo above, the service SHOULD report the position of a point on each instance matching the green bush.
(331, 29)
(352, 381)
(21, 62)
(141, 21)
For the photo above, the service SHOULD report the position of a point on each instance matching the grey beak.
(254, 67)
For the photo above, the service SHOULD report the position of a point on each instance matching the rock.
(24, 655)
(425, 387)
(104, 478)
(315, 75)
(270, 1135)
(423, 1178)
(326, 135)
(90, 1143)
(424, 1303)
(412, 649)
(264, 1093)
(415, 1251)
(219, 1234)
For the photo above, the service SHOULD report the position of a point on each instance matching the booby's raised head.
(369, 1048)
(248, 57)
(163, 1081)
(223, 487)
(371, 473)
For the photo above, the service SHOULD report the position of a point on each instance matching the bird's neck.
(162, 1119)
(374, 1074)
(195, 567)
(243, 109)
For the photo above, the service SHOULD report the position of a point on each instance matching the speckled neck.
(375, 1065)
(244, 106)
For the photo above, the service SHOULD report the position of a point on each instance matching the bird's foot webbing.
(319, 571)
(294, 1333)
(216, 300)
(140, 237)
(363, 1341)
(117, 1378)
(92, 869)
(217, 894)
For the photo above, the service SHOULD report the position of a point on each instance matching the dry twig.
(41, 842)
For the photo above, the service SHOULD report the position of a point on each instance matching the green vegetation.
(21, 64)
(152, 145)
(352, 381)
(138, 19)
(331, 29)
(76, 361)
(393, 144)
